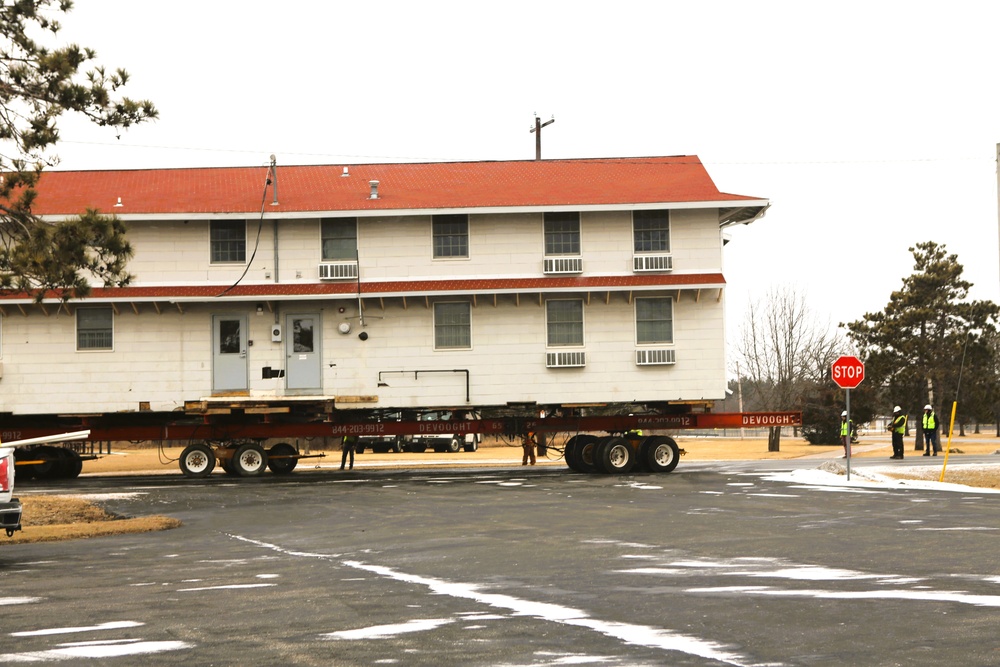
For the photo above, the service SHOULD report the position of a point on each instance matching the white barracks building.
(379, 286)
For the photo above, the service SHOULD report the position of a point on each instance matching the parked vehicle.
(10, 507)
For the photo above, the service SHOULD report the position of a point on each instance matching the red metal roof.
(415, 186)
(397, 288)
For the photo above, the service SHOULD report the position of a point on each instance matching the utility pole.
(537, 129)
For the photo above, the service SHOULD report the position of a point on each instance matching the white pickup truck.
(10, 507)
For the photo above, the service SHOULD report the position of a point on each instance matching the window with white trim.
(452, 325)
(451, 235)
(228, 241)
(564, 322)
(95, 328)
(562, 233)
(339, 237)
(651, 231)
(654, 320)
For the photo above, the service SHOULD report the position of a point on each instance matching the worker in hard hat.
(929, 424)
(528, 444)
(845, 434)
(898, 427)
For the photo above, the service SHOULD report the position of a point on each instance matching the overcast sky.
(870, 126)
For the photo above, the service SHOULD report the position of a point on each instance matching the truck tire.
(197, 460)
(454, 446)
(616, 456)
(573, 449)
(249, 460)
(471, 446)
(661, 453)
(70, 463)
(282, 458)
(586, 451)
(397, 445)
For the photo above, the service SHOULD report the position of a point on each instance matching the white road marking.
(629, 633)
(22, 600)
(382, 631)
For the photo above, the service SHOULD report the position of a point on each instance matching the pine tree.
(37, 85)
(914, 349)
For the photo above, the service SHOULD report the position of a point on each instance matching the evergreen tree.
(914, 349)
(37, 85)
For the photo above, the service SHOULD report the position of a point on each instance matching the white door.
(302, 351)
(229, 353)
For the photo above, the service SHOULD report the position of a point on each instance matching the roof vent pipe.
(346, 173)
(374, 192)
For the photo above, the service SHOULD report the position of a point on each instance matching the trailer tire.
(397, 445)
(282, 458)
(197, 460)
(572, 450)
(616, 456)
(249, 460)
(661, 453)
(70, 463)
(51, 464)
(24, 472)
(454, 446)
(587, 453)
(471, 446)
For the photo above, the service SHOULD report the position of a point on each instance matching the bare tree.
(783, 350)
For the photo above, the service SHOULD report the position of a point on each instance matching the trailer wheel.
(197, 460)
(587, 453)
(616, 456)
(661, 453)
(573, 449)
(70, 464)
(397, 445)
(472, 446)
(454, 445)
(282, 459)
(24, 472)
(249, 460)
(51, 462)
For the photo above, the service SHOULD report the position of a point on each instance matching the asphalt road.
(712, 564)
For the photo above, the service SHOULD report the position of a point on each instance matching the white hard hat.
(844, 413)
(928, 407)
(897, 409)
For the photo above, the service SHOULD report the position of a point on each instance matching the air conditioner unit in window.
(655, 357)
(338, 270)
(565, 359)
(652, 263)
(563, 265)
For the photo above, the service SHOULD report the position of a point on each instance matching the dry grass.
(52, 518)
(49, 518)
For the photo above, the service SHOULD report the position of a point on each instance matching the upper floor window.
(229, 241)
(452, 325)
(562, 233)
(340, 239)
(654, 320)
(564, 322)
(95, 328)
(451, 235)
(651, 231)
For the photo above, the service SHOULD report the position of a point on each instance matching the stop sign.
(848, 372)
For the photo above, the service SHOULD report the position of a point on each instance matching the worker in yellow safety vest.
(929, 425)
(898, 428)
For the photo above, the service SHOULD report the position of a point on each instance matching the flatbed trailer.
(246, 439)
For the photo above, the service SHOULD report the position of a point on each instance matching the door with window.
(229, 353)
(302, 351)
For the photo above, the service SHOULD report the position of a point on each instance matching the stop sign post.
(848, 372)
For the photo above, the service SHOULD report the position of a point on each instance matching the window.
(564, 322)
(340, 239)
(451, 235)
(654, 320)
(651, 231)
(94, 330)
(229, 241)
(452, 326)
(562, 233)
